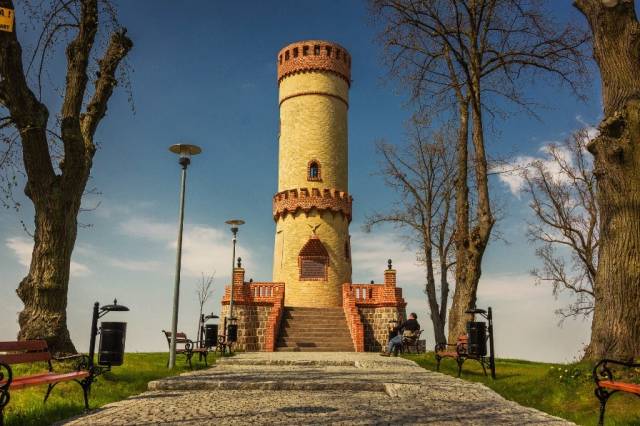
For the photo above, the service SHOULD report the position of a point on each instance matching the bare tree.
(423, 174)
(204, 293)
(57, 159)
(563, 200)
(462, 56)
(615, 330)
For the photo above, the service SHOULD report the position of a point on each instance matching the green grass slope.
(26, 407)
(563, 390)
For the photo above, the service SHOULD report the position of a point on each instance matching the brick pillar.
(238, 276)
(390, 278)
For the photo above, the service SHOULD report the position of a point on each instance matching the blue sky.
(205, 73)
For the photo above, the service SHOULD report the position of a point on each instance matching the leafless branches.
(204, 293)
(562, 190)
(422, 173)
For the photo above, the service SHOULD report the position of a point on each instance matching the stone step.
(311, 309)
(314, 349)
(344, 340)
(314, 329)
(310, 334)
(318, 321)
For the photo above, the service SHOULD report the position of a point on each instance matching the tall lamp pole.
(235, 223)
(185, 151)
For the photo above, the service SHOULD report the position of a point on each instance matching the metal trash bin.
(477, 333)
(232, 333)
(112, 338)
(210, 335)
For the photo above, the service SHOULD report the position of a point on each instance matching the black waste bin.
(477, 332)
(232, 333)
(210, 335)
(112, 337)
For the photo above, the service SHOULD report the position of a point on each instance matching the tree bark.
(465, 289)
(44, 290)
(56, 197)
(615, 331)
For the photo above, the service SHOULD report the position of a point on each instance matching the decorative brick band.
(331, 95)
(306, 199)
(314, 55)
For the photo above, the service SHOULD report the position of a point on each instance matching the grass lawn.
(26, 407)
(563, 390)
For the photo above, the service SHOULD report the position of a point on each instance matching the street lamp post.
(235, 223)
(185, 151)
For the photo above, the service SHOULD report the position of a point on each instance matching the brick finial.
(390, 277)
(238, 276)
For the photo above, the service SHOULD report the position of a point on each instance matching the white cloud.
(512, 174)
(370, 252)
(205, 249)
(23, 247)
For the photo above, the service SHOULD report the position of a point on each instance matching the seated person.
(407, 329)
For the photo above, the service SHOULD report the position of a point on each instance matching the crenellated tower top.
(314, 55)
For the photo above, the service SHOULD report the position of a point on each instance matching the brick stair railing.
(314, 329)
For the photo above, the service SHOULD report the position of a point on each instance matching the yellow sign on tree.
(6, 19)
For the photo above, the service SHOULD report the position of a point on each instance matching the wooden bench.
(189, 347)
(606, 385)
(411, 341)
(459, 352)
(31, 351)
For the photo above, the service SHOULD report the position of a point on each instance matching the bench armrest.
(602, 371)
(6, 376)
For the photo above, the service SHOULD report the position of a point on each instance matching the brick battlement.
(314, 55)
(306, 199)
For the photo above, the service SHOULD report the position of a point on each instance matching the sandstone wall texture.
(313, 78)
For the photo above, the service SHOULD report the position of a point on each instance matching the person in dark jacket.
(408, 328)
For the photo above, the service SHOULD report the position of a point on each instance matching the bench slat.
(25, 357)
(24, 345)
(43, 379)
(621, 386)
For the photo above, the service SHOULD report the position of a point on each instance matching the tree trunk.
(430, 289)
(44, 290)
(615, 331)
(470, 246)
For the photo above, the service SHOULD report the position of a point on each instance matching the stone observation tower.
(312, 209)
(312, 304)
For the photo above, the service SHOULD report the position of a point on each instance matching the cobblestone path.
(315, 388)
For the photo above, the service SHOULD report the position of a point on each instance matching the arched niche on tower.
(313, 261)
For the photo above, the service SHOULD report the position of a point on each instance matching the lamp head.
(185, 151)
(114, 308)
(235, 223)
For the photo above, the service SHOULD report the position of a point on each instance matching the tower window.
(313, 260)
(286, 55)
(313, 171)
(337, 53)
(305, 50)
(280, 59)
(347, 250)
(295, 52)
(328, 50)
(316, 49)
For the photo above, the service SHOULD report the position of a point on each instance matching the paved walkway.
(315, 388)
